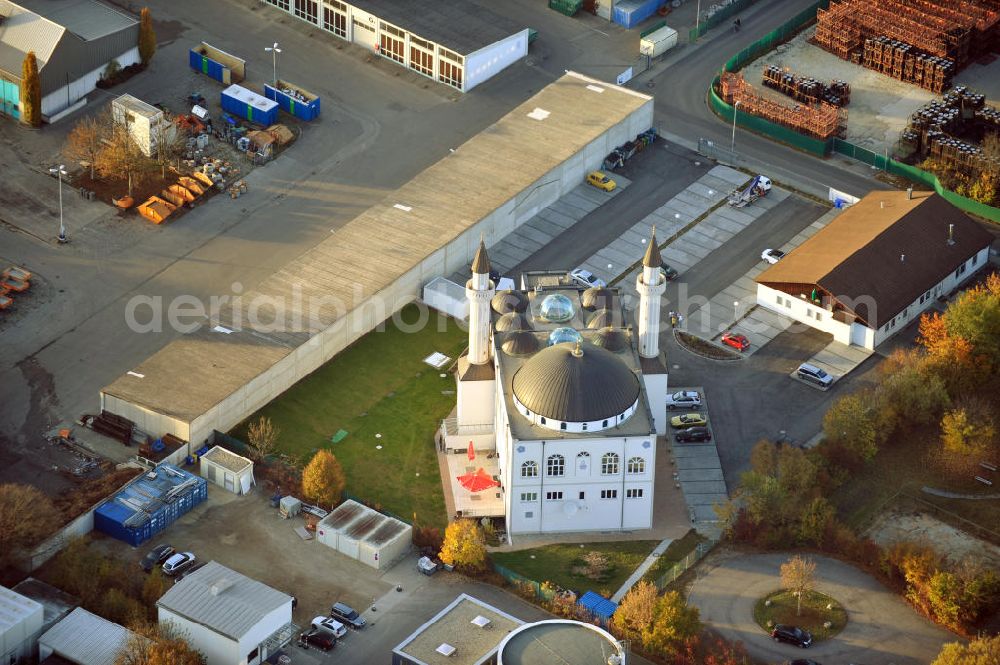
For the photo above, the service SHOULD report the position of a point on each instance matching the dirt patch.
(899, 525)
(704, 348)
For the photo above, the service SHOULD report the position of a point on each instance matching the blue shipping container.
(219, 65)
(299, 102)
(147, 506)
(630, 13)
(600, 607)
(249, 105)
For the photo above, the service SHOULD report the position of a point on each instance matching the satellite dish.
(570, 508)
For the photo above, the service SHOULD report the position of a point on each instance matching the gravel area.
(895, 525)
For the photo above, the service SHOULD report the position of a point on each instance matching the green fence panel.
(718, 17)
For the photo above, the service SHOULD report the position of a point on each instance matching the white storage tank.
(658, 42)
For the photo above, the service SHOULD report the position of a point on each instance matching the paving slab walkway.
(641, 570)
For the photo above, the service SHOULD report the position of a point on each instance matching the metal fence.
(525, 584)
(679, 568)
(718, 17)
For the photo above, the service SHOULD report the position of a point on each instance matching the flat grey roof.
(86, 638)
(576, 643)
(459, 25)
(225, 458)
(87, 18)
(223, 600)
(192, 374)
(453, 625)
(22, 30)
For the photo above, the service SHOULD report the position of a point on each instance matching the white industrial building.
(452, 41)
(230, 618)
(560, 402)
(371, 267)
(85, 639)
(20, 622)
(365, 534)
(146, 123)
(876, 267)
(74, 42)
(227, 469)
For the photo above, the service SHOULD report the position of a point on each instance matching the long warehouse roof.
(191, 375)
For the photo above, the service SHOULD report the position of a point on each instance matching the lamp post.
(274, 51)
(697, 22)
(736, 311)
(736, 110)
(59, 172)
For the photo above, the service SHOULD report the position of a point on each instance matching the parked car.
(187, 571)
(693, 435)
(792, 635)
(803, 661)
(586, 278)
(601, 181)
(772, 256)
(668, 272)
(346, 614)
(330, 624)
(321, 639)
(735, 340)
(814, 374)
(177, 563)
(684, 399)
(686, 420)
(156, 556)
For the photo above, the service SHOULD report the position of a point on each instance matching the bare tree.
(85, 142)
(168, 143)
(27, 516)
(156, 644)
(797, 576)
(122, 158)
(263, 436)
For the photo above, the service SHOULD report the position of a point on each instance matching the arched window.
(609, 464)
(636, 465)
(555, 465)
(583, 462)
(529, 470)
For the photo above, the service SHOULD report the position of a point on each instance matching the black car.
(693, 435)
(347, 616)
(323, 640)
(668, 273)
(156, 556)
(803, 661)
(792, 635)
(187, 571)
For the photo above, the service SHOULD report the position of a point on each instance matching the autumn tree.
(910, 396)
(964, 342)
(85, 142)
(674, 621)
(31, 91)
(798, 576)
(982, 651)
(635, 611)
(464, 545)
(122, 159)
(156, 644)
(850, 423)
(262, 435)
(27, 516)
(154, 586)
(147, 36)
(323, 479)
(968, 435)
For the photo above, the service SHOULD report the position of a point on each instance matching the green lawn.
(378, 385)
(555, 563)
(783, 610)
(675, 553)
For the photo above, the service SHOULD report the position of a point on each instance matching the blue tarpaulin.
(630, 13)
(598, 605)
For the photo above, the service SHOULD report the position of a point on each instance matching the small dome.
(557, 308)
(513, 321)
(597, 298)
(613, 340)
(576, 384)
(563, 335)
(509, 301)
(520, 343)
(603, 318)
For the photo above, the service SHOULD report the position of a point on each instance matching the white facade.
(20, 622)
(220, 649)
(146, 124)
(74, 91)
(365, 534)
(228, 470)
(857, 333)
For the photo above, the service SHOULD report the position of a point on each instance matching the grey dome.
(603, 318)
(565, 384)
(557, 308)
(509, 301)
(613, 340)
(520, 343)
(597, 298)
(513, 321)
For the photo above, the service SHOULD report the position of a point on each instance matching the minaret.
(650, 284)
(479, 290)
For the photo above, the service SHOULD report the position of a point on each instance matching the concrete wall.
(381, 558)
(148, 421)
(220, 475)
(803, 311)
(489, 61)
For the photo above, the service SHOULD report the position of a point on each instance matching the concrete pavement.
(881, 628)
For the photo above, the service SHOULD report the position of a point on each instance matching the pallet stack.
(822, 120)
(805, 88)
(933, 129)
(919, 41)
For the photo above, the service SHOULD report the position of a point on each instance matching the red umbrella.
(472, 452)
(478, 481)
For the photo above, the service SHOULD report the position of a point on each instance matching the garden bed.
(814, 616)
(703, 347)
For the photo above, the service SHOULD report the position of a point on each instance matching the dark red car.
(319, 639)
(738, 342)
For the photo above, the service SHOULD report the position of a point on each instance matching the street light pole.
(274, 51)
(697, 22)
(60, 171)
(736, 110)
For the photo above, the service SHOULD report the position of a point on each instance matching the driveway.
(881, 628)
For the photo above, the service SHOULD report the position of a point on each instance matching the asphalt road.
(881, 628)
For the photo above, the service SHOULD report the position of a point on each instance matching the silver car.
(684, 399)
(814, 374)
